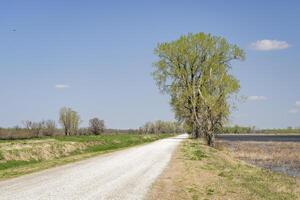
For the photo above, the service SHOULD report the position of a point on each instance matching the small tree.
(96, 126)
(70, 120)
(50, 127)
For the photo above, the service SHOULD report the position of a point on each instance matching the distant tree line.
(280, 130)
(158, 127)
(70, 120)
(238, 129)
(247, 129)
(46, 128)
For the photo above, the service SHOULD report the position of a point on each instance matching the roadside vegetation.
(198, 171)
(19, 157)
(40, 145)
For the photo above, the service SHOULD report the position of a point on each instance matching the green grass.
(16, 163)
(1, 156)
(28, 155)
(109, 142)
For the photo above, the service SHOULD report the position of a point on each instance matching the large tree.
(194, 71)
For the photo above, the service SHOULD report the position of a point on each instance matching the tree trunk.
(195, 133)
(210, 137)
(66, 132)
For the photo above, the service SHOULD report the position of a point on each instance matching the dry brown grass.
(38, 149)
(278, 156)
(200, 172)
(18, 157)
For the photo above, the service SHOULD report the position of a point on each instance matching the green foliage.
(70, 120)
(194, 71)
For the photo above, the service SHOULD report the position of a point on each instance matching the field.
(19, 157)
(197, 171)
(282, 157)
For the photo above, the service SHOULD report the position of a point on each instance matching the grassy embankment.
(197, 171)
(18, 157)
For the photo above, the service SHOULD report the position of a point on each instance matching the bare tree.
(50, 127)
(96, 126)
(158, 127)
(70, 120)
(34, 127)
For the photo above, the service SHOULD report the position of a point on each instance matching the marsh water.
(243, 146)
(260, 138)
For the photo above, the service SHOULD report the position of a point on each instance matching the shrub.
(96, 126)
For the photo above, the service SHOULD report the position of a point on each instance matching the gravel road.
(126, 174)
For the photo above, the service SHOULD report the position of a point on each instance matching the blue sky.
(97, 56)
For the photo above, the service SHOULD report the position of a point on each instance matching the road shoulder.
(199, 172)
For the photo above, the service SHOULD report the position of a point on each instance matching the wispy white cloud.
(293, 110)
(257, 98)
(296, 108)
(269, 45)
(240, 115)
(61, 86)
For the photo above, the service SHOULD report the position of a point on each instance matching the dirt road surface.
(126, 174)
